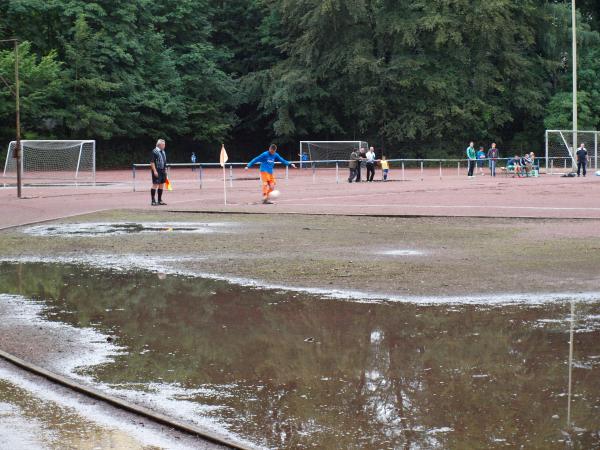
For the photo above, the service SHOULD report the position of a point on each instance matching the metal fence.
(198, 175)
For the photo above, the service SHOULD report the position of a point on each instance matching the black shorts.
(160, 178)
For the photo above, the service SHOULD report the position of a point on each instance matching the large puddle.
(290, 370)
(103, 229)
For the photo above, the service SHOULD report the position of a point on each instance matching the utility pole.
(18, 121)
(17, 153)
(574, 38)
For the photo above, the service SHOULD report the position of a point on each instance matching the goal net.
(560, 156)
(53, 161)
(331, 151)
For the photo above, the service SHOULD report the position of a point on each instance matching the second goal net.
(331, 151)
(560, 155)
(53, 161)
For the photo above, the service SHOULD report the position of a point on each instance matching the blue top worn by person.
(267, 161)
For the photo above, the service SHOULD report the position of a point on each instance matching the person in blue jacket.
(267, 162)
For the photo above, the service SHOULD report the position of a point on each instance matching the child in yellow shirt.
(385, 167)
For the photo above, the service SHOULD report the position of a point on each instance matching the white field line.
(407, 205)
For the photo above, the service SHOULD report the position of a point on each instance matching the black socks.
(160, 195)
(153, 193)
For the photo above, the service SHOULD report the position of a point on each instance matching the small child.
(385, 167)
(267, 162)
(480, 158)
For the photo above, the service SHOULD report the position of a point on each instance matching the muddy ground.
(459, 256)
(37, 414)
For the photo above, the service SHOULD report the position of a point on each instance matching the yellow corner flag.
(168, 185)
(223, 159)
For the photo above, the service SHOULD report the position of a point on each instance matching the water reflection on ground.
(287, 370)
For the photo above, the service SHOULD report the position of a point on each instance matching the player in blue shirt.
(267, 162)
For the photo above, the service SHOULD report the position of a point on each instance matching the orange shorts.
(268, 183)
(267, 178)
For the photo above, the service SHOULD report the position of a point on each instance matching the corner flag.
(223, 159)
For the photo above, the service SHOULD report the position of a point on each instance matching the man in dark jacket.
(582, 159)
(354, 166)
(492, 156)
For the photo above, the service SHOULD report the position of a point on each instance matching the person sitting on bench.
(526, 164)
(514, 165)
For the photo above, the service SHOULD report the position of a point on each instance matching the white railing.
(196, 174)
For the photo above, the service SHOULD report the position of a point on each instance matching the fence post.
(134, 178)
(440, 169)
(546, 149)
(200, 175)
(596, 150)
(230, 175)
(551, 166)
(458, 168)
(337, 172)
(287, 172)
(314, 170)
(402, 170)
(421, 170)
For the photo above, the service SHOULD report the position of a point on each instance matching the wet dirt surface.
(112, 229)
(429, 256)
(36, 414)
(290, 370)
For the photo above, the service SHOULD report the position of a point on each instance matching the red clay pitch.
(305, 192)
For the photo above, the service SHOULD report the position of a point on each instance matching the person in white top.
(370, 164)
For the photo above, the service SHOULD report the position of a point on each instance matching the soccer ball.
(274, 194)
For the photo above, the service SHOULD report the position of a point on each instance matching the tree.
(41, 87)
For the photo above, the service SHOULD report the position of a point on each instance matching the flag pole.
(223, 159)
(224, 187)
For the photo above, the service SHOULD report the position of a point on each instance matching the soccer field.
(382, 299)
(420, 194)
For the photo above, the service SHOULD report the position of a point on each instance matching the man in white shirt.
(370, 164)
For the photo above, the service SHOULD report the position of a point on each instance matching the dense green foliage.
(415, 78)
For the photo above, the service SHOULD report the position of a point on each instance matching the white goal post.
(46, 161)
(560, 156)
(330, 150)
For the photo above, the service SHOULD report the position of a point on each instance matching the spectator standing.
(582, 159)
(361, 158)
(385, 167)
(370, 164)
(158, 166)
(480, 157)
(303, 159)
(493, 156)
(353, 165)
(193, 159)
(471, 157)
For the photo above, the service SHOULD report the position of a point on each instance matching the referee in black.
(158, 164)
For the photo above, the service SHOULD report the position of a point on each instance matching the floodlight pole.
(574, 39)
(17, 154)
(18, 121)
